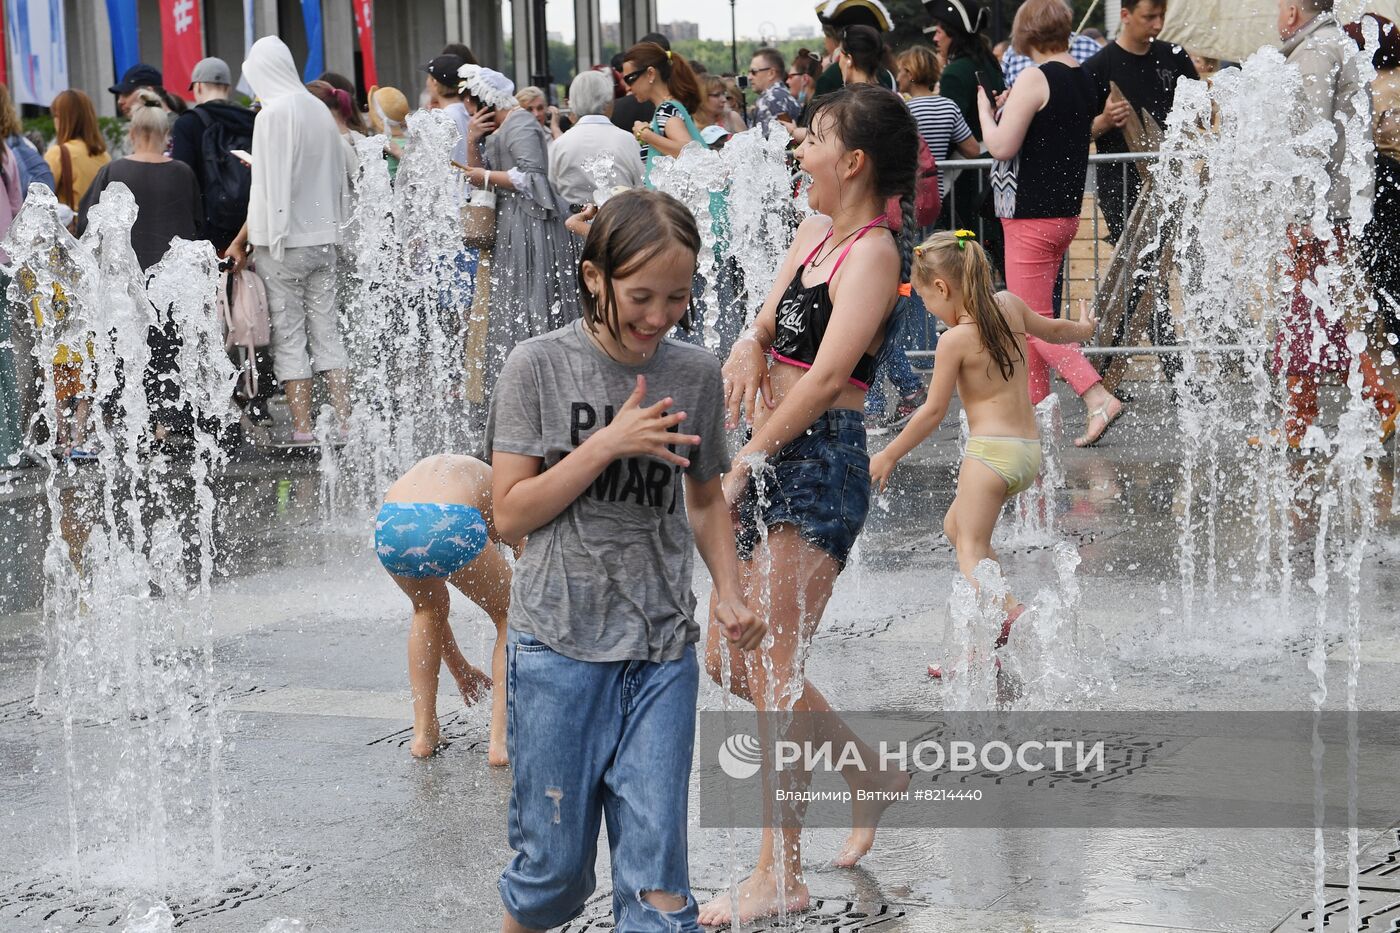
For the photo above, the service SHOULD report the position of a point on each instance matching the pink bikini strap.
(863, 231)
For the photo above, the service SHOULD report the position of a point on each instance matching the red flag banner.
(4, 47)
(364, 31)
(182, 44)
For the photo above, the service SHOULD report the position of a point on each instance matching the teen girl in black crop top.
(799, 377)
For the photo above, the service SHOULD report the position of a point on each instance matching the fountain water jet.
(128, 667)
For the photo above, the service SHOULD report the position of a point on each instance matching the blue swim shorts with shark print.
(428, 539)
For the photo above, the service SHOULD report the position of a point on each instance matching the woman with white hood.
(294, 215)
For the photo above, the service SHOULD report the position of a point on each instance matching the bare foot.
(425, 741)
(474, 685)
(758, 897)
(882, 790)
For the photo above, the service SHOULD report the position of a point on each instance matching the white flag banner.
(243, 87)
(37, 40)
(1233, 30)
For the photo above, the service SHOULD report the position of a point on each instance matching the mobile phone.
(985, 80)
(243, 156)
(742, 81)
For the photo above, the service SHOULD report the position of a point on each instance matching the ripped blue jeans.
(590, 740)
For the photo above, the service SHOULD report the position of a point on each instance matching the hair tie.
(668, 55)
(963, 236)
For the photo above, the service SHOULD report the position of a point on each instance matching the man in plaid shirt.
(1013, 63)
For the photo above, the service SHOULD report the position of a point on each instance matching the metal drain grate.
(455, 729)
(49, 900)
(1380, 863)
(1380, 913)
(1378, 878)
(828, 915)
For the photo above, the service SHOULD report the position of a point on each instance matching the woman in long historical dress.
(535, 261)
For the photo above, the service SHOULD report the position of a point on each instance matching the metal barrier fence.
(968, 179)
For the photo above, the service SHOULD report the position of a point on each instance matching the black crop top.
(804, 312)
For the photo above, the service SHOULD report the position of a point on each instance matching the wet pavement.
(332, 822)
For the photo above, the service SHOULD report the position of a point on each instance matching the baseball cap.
(444, 69)
(140, 75)
(210, 71)
(714, 133)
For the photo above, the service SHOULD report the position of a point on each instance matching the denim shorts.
(819, 484)
(595, 740)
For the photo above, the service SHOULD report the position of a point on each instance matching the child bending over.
(435, 528)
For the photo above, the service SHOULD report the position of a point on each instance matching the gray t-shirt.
(609, 578)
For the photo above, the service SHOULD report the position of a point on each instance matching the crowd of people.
(606, 437)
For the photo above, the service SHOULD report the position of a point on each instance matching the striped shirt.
(942, 126)
(1081, 47)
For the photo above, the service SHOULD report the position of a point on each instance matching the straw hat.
(387, 105)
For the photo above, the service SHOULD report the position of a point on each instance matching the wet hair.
(865, 47)
(922, 65)
(461, 51)
(75, 118)
(963, 262)
(1042, 26)
(335, 79)
(149, 118)
(673, 69)
(876, 121)
(631, 229)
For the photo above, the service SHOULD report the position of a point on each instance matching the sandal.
(1100, 412)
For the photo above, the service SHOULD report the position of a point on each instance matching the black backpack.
(227, 181)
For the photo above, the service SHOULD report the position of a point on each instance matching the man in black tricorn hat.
(836, 15)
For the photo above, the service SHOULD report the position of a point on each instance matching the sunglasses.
(759, 71)
(631, 77)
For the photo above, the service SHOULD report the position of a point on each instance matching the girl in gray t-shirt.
(591, 463)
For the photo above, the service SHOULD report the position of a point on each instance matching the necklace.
(870, 226)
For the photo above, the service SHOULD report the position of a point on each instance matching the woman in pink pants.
(1042, 144)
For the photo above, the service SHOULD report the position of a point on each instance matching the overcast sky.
(754, 17)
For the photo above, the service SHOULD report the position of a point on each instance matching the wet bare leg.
(486, 582)
(431, 604)
(448, 478)
(800, 588)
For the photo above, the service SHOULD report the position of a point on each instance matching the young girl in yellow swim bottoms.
(983, 356)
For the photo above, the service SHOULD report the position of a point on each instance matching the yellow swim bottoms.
(1014, 459)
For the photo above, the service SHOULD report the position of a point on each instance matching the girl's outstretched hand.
(741, 625)
(745, 380)
(639, 431)
(881, 468)
(1088, 324)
